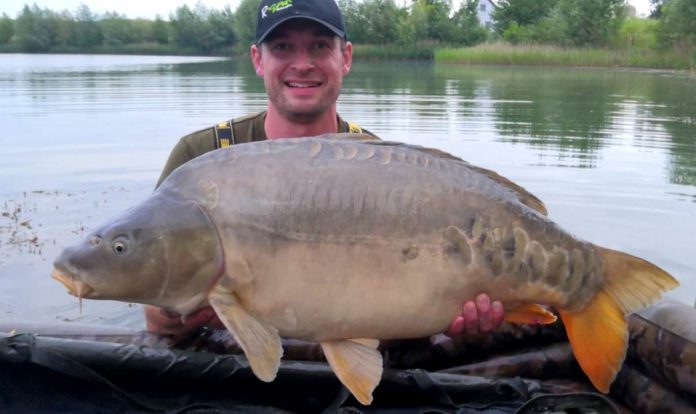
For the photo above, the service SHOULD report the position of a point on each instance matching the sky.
(151, 8)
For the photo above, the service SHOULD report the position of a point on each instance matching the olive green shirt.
(245, 129)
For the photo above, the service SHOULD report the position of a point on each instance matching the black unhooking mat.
(54, 375)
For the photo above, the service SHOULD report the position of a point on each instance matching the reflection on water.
(611, 152)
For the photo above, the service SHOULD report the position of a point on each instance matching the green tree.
(521, 12)
(372, 21)
(187, 27)
(439, 27)
(6, 29)
(591, 22)
(88, 34)
(118, 30)
(245, 23)
(221, 26)
(143, 31)
(427, 20)
(203, 29)
(637, 34)
(656, 8)
(414, 26)
(160, 31)
(32, 32)
(678, 23)
(467, 29)
(60, 27)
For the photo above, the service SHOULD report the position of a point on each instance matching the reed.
(507, 54)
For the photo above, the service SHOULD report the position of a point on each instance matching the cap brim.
(340, 33)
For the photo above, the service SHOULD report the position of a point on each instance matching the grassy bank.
(506, 54)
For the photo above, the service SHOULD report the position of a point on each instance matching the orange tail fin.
(599, 333)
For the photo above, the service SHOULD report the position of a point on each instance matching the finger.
(170, 314)
(456, 327)
(470, 315)
(485, 317)
(160, 322)
(498, 313)
(200, 317)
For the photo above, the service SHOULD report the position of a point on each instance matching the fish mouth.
(76, 288)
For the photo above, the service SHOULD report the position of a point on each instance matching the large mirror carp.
(348, 242)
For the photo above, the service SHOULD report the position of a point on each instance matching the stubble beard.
(305, 115)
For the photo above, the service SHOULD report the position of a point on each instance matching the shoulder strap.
(224, 134)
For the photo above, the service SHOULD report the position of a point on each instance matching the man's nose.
(303, 60)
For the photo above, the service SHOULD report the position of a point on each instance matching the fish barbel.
(347, 242)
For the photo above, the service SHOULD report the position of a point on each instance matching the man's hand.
(163, 322)
(477, 316)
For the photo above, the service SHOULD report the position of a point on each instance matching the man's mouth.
(302, 84)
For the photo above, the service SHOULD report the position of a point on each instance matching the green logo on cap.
(276, 7)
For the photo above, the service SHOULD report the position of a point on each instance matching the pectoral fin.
(372, 343)
(259, 340)
(530, 314)
(357, 364)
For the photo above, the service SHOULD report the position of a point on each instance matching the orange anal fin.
(598, 335)
(530, 313)
(358, 365)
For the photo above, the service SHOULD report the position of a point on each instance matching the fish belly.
(325, 291)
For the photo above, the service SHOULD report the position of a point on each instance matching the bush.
(636, 33)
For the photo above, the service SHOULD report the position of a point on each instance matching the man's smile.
(303, 84)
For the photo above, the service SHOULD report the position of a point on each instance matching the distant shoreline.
(499, 54)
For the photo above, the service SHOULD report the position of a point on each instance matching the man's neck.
(278, 126)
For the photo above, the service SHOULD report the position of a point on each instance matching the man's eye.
(322, 45)
(281, 46)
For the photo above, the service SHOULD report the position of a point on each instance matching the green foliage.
(202, 28)
(245, 24)
(33, 31)
(118, 30)
(383, 29)
(88, 34)
(550, 30)
(160, 31)
(372, 21)
(6, 29)
(656, 8)
(678, 23)
(521, 13)
(591, 22)
(638, 34)
(561, 22)
(467, 29)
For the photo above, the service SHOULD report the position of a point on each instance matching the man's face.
(302, 64)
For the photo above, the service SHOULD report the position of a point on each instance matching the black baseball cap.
(272, 13)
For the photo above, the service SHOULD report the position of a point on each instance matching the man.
(302, 54)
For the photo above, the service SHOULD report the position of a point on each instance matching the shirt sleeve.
(180, 154)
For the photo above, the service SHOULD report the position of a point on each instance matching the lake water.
(611, 152)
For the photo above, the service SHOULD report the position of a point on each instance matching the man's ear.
(347, 57)
(256, 60)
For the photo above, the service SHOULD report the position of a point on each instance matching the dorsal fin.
(524, 196)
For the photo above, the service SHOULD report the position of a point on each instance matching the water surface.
(611, 152)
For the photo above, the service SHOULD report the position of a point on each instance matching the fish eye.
(119, 246)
